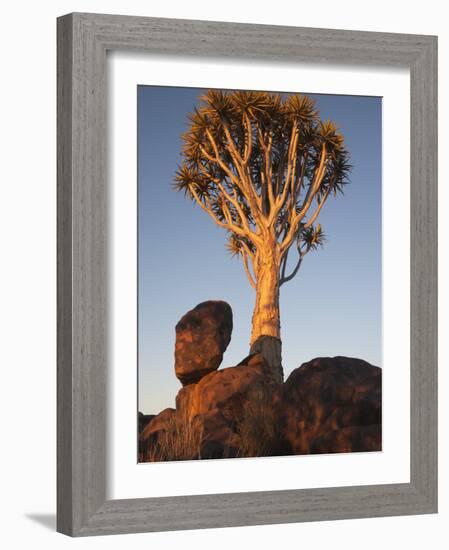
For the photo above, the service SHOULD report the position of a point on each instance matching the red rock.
(220, 402)
(332, 405)
(144, 420)
(202, 336)
(219, 440)
(152, 432)
(225, 389)
(328, 405)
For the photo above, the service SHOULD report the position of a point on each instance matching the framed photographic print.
(246, 274)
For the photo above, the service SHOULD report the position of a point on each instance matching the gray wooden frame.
(83, 40)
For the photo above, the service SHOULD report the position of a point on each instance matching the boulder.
(219, 439)
(331, 405)
(202, 336)
(225, 389)
(143, 420)
(233, 403)
(156, 429)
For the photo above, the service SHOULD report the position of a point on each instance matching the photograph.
(259, 278)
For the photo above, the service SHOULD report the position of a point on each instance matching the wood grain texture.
(64, 276)
(423, 275)
(83, 40)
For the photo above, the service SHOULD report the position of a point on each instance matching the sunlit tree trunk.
(266, 319)
(266, 325)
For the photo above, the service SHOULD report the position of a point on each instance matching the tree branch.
(248, 251)
(247, 270)
(291, 169)
(232, 200)
(284, 264)
(267, 164)
(249, 144)
(313, 189)
(246, 188)
(230, 226)
(318, 209)
(294, 272)
(232, 147)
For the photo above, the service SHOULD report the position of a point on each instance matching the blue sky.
(332, 307)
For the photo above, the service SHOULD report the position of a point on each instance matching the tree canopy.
(262, 165)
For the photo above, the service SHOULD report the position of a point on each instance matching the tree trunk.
(266, 321)
(271, 350)
(266, 325)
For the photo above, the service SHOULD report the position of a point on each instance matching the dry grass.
(257, 424)
(180, 441)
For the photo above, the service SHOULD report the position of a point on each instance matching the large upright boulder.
(202, 336)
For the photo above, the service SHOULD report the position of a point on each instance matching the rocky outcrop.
(225, 389)
(156, 429)
(327, 405)
(202, 336)
(217, 416)
(221, 403)
(332, 405)
(143, 420)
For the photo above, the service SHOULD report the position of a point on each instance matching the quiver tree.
(262, 166)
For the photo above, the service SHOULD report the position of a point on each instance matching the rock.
(219, 440)
(327, 405)
(228, 402)
(224, 389)
(154, 430)
(202, 336)
(143, 420)
(331, 405)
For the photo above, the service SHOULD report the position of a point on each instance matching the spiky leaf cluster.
(311, 238)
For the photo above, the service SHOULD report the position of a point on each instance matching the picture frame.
(82, 505)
